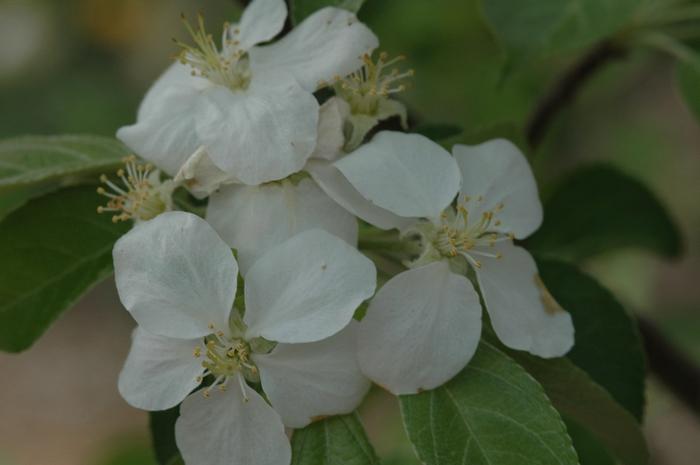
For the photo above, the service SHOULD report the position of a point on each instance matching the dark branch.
(563, 93)
(673, 368)
(677, 372)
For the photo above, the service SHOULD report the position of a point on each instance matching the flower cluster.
(287, 178)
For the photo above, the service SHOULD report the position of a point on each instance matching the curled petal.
(329, 43)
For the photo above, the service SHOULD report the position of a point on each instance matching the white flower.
(250, 107)
(178, 280)
(423, 326)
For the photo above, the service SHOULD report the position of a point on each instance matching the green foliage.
(300, 9)
(162, 426)
(608, 346)
(576, 395)
(493, 412)
(590, 450)
(547, 27)
(54, 249)
(333, 441)
(599, 209)
(438, 132)
(34, 165)
(688, 75)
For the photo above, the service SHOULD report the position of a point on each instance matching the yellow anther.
(365, 88)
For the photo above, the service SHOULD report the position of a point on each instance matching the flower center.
(229, 67)
(365, 88)
(140, 197)
(224, 357)
(460, 233)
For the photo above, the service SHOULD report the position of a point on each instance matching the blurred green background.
(81, 66)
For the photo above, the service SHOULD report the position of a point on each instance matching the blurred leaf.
(15, 198)
(34, 165)
(300, 9)
(503, 130)
(162, 426)
(493, 412)
(54, 249)
(337, 440)
(438, 132)
(590, 450)
(576, 395)
(536, 29)
(608, 346)
(599, 209)
(688, 76)
(134, 452)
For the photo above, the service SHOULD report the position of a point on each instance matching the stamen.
(364, 88)
(141, 196)
(228, 67)
(459, 234)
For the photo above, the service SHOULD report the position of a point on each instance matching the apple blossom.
(178, 279)
(249, 106)
(423, 326)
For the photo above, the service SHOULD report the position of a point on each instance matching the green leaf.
(534, 29)
(688, 76)
(438, 132)
(34, 165)
(576, 395)
(590, 450)
(493, 412)
(599, 209)
(162, 426)
(300, 9)
(608, 346)
(54, 249)
(337, 440)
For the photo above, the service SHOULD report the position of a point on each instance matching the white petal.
(520, 312)
(307, 288)
(307, 381)
(176, 276)
(164, 133)
(254, 219)
(201, 176)
(260, 134)
(177, 75)
(225, 429)
(420, 330)
(500, 173)
(261, 21)
(330, 129)
(407, 174)
(329, 43)
(159, 371)
(337, 187)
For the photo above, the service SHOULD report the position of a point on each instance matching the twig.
(673, 368)
(680, 375)
(561, 95)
